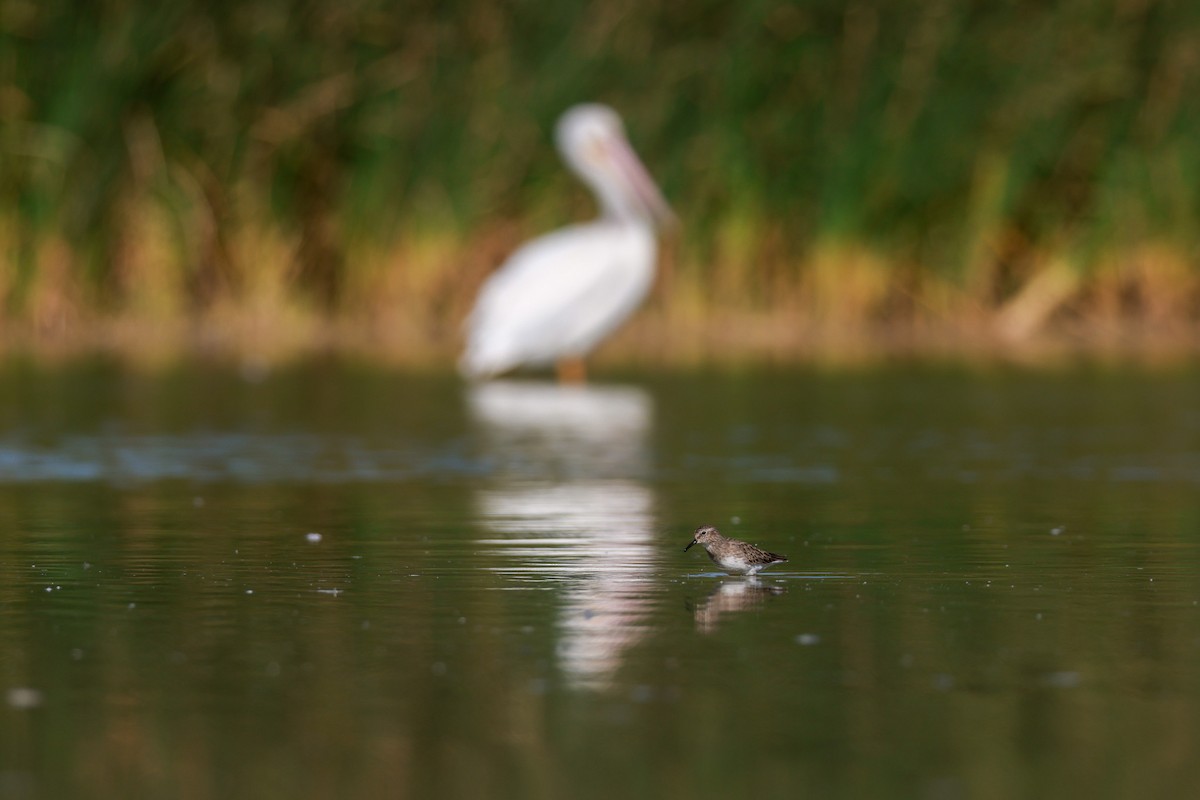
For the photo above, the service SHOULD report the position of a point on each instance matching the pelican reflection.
(566, 502)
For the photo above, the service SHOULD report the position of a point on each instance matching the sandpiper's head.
(705, 534)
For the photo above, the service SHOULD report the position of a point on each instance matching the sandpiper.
(732, 555)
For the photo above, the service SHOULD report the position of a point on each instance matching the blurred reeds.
(262, 174)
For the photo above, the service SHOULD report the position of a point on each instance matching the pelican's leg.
(571, 370)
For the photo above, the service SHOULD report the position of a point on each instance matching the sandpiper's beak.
(692, 542)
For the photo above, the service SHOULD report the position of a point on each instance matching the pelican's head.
(592, 141)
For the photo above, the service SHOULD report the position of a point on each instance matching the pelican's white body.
(559, 295)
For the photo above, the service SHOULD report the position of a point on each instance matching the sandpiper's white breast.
(733, 563)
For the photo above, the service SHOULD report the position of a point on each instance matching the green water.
(993, 591)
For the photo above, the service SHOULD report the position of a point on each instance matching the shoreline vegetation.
(858, 314)
(263, 180)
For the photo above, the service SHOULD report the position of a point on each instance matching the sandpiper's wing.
(760, 556)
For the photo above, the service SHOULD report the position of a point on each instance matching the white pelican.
(559, 295)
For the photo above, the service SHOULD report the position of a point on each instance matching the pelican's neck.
(617, 207)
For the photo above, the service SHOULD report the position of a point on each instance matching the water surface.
(337, 580)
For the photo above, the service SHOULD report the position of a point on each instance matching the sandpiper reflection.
(566, 501)
(730, 597)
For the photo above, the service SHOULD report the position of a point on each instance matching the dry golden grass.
(403, 303)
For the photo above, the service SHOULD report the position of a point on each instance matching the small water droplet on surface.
(24, 698)
(641, 694)
(1061, 680)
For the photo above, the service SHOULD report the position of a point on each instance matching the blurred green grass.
(275, 165)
